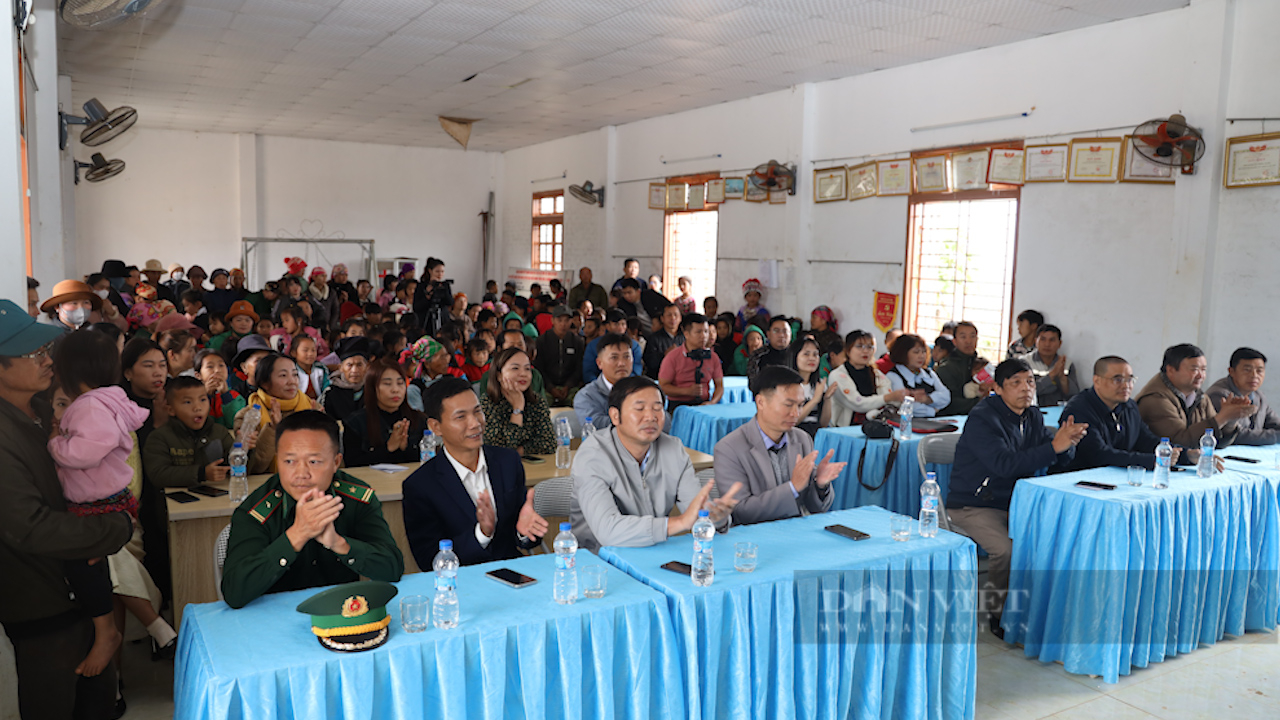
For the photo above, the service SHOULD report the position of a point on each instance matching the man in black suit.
(470, 493)
(639, 301)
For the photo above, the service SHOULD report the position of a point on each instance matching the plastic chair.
(574, 423)
(220, 558)
(940, 450)
(551, 497)
(709, 476)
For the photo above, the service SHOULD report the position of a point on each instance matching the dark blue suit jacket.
(437, 507)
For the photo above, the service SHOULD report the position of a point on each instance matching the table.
(515, 653)
(194, 527)
(825, 627)
(736, 390)
(702, 426)
(1105, 581)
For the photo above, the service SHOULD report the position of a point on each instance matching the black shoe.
(121, 708)
(164, 653)
(994, 623)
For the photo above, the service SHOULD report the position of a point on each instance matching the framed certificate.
(1252, 160)
(1046, 163)
(715, 191)
(969, 170)
(677, 196)
(778, 197)
(893, 177)
(755, 193)
(1094, 159)
(734, 188)
(657, 196)
(829, 184)
(697, 197)
(931, 173)
(1136, 168)
(1005, 166)
(862, 181)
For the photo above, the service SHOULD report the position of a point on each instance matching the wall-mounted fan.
(588, 193)
(90, 14)
(1169, 142)
(773, 175)
(102, 127)
(98, 170)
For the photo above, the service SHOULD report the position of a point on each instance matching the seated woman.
(805, 358)
(346, 386)
(276, 377)
(910, 356)
(386, 429)
(426, 361)
(224, 402)
(859, 385)
(313, 378)
(515, 416)
(179, 351)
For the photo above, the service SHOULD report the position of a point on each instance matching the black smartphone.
(1095, 485)
(183, 497)
(511, 578)
(208, 491)
(847, 532)
(534, 459)
(1241, 459)
(679, 567)
(1177, 468)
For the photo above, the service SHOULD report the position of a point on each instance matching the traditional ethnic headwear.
(144, 291)
(752, 285)
(825, 313)
(340, 268)
(415, 357)
(296, 265)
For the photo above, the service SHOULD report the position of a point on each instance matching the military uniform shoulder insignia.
(267, 506)
(360, 493)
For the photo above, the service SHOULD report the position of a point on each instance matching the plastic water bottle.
(564, 436)
(427, 447)
(239, 485)
(704, 531)
(566, 583)
(251, 421)
(930, 505)
(1204, 468)
(444, 609)
(904, 418)
(1164, 459)
(587, 428)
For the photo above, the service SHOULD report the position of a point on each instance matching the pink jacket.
(93, 449)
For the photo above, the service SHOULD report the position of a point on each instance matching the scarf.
(216, 402)
(416, 357)
(298, 403)
(317, 293)
(864, 379)
(833, 325)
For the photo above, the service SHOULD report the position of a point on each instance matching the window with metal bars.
(548, 231)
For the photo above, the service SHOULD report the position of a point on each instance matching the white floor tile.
(1019, 687)
(1238, 684)
(1104, 708)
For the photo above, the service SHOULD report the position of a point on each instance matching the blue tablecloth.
(702, 426)
(515, 654)
(1104, 581)
(825, 627)
(736, 390)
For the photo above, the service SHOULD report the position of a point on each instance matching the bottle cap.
(588, 418)
(564, 527)
(1164, 440)
(931, 476)
(236, 445)
(1208, 431)
(704, 513)
(446, 544)
(257, 406)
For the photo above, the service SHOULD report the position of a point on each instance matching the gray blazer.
(612, 504)
(593, 401)
(741, 456)
(1260, 428)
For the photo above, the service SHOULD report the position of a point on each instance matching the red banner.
(886, 310)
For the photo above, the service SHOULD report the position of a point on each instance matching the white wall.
(1088, 256)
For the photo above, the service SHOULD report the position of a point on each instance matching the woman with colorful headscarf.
(825, 327)
(147, 308)
(458, 314)
(425, 361)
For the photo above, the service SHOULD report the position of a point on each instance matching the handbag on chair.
(879, 427)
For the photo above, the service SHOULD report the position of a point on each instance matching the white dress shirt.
(475, 482)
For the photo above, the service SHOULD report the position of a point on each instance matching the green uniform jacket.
(955, 371)
(260, 558)
(175, 455)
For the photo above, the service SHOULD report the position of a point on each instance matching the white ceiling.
(380, 71)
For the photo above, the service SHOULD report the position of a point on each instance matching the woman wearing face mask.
(74, 305)
(860, 387)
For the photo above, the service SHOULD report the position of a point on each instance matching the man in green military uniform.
(310, 524)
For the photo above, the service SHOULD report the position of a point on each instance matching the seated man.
(615, 362)
(626, 480)
(689, 371)
(1244, 378)
(615, 321)
(639, 301)
(662, 341)
(1172, 405)
(956, 371)
(773, 459)
(1056, 379)
(560, 358)
(776, 350)
(310, 524)
(1004, 440)
(1117, 436)
(471, 493)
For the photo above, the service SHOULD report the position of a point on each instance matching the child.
(633, 332)
(194, 449)
(477, 363)
(265, 327)
(147, 308)
(224, 403)
(193, 307)
(685, 302)
(711, 306)
(751, 292)
(835, 357)
(91, 446)
(313, 377)
(217, 324)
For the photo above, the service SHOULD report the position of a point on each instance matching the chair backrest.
(940, 450)
(220, 557)
(568, 412)
(551, 497)
(709, 476)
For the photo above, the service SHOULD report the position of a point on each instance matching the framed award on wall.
(1046, 163)
(969, 170)
(1138, 169)
(1252, 160)
(1006, 166)
(931, 173)
(862, 181)
(829, 184)
(894, 177)
(1094, 159)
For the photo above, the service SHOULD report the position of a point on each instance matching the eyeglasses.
(861, 346)
(1122, 380)
(40, 353)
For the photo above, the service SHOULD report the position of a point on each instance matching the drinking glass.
(594, 581)
(1135, 475)
(745, 556)
(414, 613)
(900, 527)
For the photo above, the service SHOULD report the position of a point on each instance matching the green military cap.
(351, 617)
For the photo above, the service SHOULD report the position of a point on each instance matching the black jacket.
(361, 450)
(999, 448)
(560, 359)
(656, 348)
(1116, 438)
(653, 302)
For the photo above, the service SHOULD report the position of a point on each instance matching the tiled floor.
(1233, 679)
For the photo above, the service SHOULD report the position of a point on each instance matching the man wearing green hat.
(309, 524)
(50, 635)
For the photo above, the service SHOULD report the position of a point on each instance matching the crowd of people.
(131, 381)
